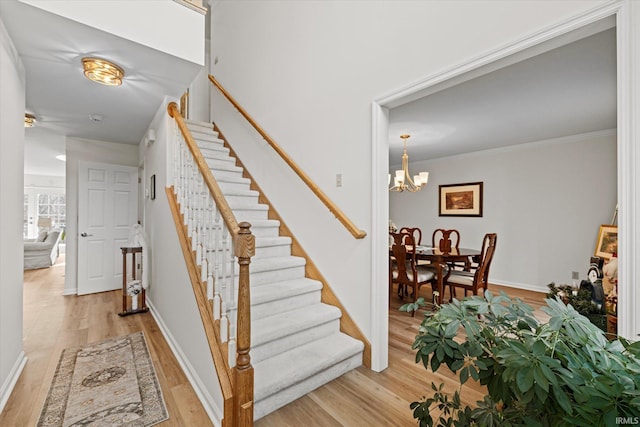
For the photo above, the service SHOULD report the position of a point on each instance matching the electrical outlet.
(339, 180)
(575, 275)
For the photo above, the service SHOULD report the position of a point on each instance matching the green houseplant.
(580, 300)
(560, 373)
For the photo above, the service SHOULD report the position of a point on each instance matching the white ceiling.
(62, 99)
(568, 90)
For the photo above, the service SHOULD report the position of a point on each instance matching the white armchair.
(42, 252)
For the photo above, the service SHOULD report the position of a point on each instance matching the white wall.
(200, 92)
(308, 72)
(166, 26)
(91, 151)
(12, 104)
(44, 181)
(170, 293)
(545, 200)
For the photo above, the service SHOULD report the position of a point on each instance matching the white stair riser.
(222, 154)
(245, 200)
(273, 251)
(282, 345)
(227, 167)
(271, 403)
(200, 126)
(201, 130)
(220, 175)
(205, 136)
(265, 231)
(216, 154)
(209, 142)
(266, 309)
(248, 215)
(228, 187)
(260, 278)
(227, 164)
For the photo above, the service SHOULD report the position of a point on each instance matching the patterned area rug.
(108, 383)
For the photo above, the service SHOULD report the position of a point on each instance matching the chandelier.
(402, 180)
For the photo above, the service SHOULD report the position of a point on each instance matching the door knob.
(86, 235)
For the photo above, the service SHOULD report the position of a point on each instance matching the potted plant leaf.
(563, 372)
(582, 300)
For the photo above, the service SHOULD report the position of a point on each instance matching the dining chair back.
(404, 269)
(415, 232)
(445, 240)
(478, 276)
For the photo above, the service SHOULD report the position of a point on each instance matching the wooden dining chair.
(445, 240)
(478, 276)
(404, 269)
(415, 232)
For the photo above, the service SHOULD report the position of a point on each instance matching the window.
(52, 206)
(43, 203)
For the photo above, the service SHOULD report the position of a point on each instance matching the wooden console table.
(128, 309)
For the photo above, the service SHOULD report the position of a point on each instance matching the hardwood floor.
(366, 398)
(362, 397)
(53, 322)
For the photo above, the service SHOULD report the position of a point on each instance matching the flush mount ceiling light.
(29, 120)
(102, 71)
(402, 180)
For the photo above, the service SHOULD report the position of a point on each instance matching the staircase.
(296, 343)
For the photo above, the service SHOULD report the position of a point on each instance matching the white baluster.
(224, 324)
(232, 346)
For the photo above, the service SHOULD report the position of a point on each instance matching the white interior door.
(107, 209)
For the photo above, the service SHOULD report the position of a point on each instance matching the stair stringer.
(347, 325)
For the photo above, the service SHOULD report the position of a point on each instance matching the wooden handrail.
(355, 231)
(203, 167)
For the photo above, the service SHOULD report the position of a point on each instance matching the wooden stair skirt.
(296, 343)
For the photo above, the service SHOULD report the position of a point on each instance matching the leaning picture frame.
(607, 244)
(460, 199)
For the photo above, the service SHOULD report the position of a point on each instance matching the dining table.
(439, 259)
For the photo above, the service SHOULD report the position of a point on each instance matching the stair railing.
(212, 239)
(333, 208)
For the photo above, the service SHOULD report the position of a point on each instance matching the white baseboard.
(70, 291)
(215, 414)
(12, 379)
(524, 286)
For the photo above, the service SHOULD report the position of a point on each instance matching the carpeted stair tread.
(241, 193)
(289, 322)
(206, 137)
(198, 124)
(222, 165)
(278, 263)
(276, 291)
(286, 369)
(232, 179)
(263, 242)
(214, 151)
(241, 205)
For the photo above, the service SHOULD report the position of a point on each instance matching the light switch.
(339, 180)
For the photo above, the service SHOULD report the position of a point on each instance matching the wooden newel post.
(243, 371)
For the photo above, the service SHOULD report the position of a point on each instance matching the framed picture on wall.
(607, 244)
(461, 199)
